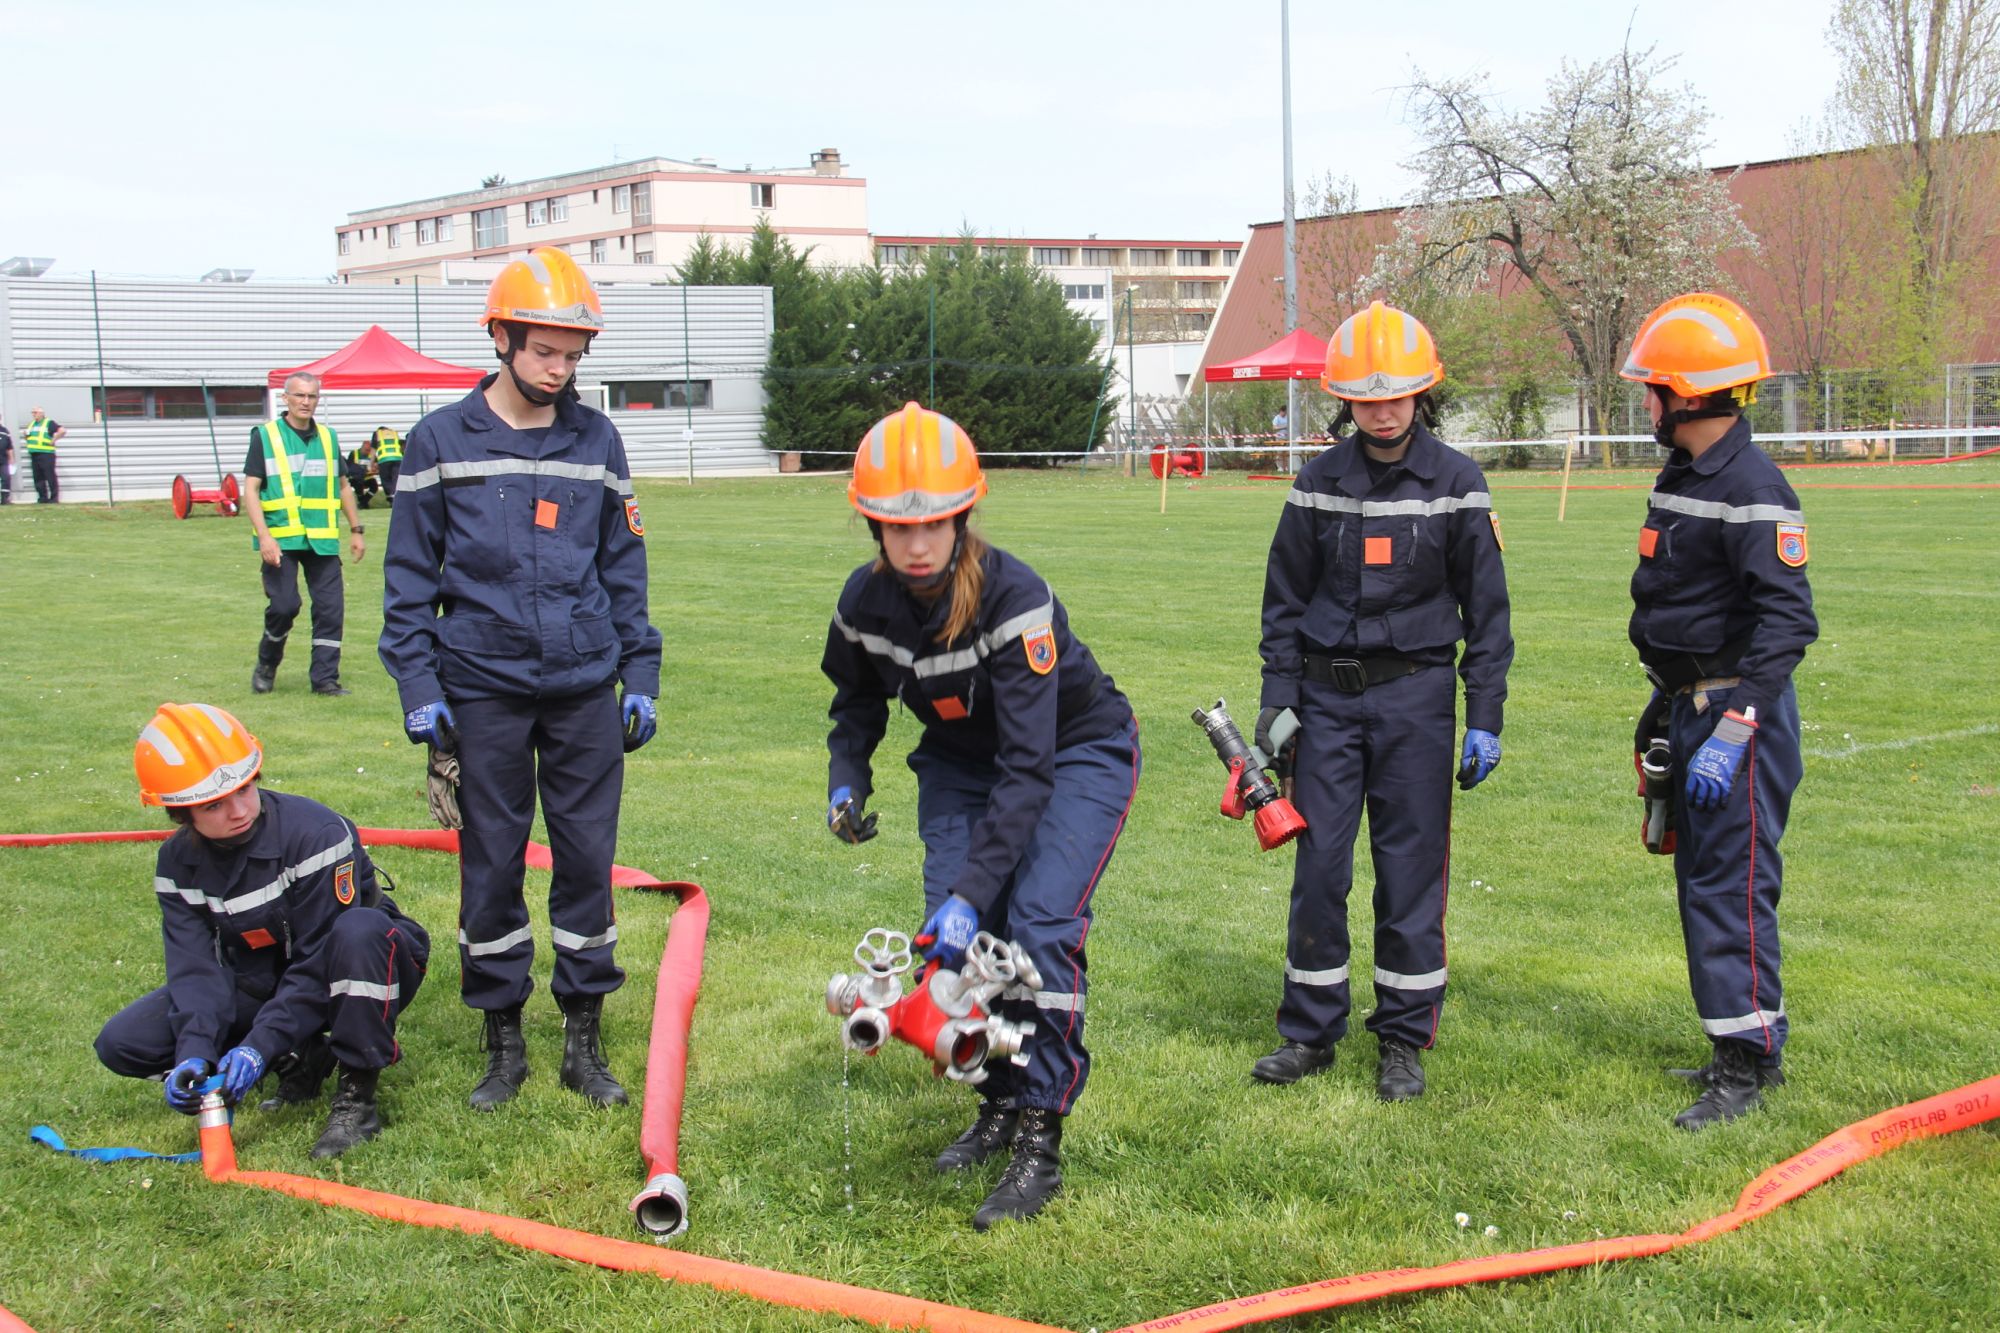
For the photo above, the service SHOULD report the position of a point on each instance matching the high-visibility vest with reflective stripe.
(389, 447)
(36, 438)
(299, 509)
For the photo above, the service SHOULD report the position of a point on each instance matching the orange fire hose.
(1944, 1113)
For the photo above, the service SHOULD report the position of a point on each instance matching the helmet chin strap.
(937, 578)
(1671, 421)
(539, 397)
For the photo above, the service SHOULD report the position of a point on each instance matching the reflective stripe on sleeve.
(1331, 976)
(1680, 504)
(1067, 1001)
(1407, 981)
(366, 990)
(564, 939)
(484, 947)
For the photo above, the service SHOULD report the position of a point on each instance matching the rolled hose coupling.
(661, 1208)
(948, 1016)
(1249, 787)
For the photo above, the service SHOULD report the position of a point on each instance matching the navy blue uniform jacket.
(1722, 560)
(256, 917)
(1403, 568)
(1011, 691)
(516, 563)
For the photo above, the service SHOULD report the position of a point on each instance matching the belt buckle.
(1349, 676)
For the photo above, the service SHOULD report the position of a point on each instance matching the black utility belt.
(1351, 675)
(1673, 672)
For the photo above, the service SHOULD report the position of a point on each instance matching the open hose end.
(661, 1209)
(865, 1030)
(1277, 824)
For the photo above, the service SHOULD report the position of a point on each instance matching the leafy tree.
(708, 264)
(1597, 202)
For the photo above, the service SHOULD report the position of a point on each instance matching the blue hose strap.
(48, 1138)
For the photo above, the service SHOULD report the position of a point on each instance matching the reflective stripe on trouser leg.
(1728, 871)
(580, 744)
(281, 606)
(1330, 776)
(329, 614)
(1412, 736)
(374, 965)
(496, 795)
(1046, 905)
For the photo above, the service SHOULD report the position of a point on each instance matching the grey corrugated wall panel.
(167, 333)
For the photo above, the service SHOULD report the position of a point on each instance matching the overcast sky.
(161, 139)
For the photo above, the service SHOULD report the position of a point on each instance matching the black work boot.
(300, 1075)
(506, 1059)
(262, 678)
(1292, 1061)
(1033, 1177)
(354, 1118)
(991, 1131)
(1732, 1088)
(1400, 1076)
(1770, 1075)
(583, 1067)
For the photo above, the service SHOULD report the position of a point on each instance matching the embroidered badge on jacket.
(343, 883)
(1792, 544)
(1040, 645)
(632, 517)
(1498, 540)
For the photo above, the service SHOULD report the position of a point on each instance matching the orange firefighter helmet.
(915, 466)
(1381, 353)
(191, 754)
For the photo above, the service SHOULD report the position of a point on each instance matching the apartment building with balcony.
(628, 222)
(1176, 287)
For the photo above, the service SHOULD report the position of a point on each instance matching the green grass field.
(1548, 1111)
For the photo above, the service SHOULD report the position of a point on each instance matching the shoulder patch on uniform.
(343, 883)
(1494, 519)
(1040, 645)
(632, 516)
(1792, 544)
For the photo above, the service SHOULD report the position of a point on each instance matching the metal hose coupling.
(214, 1111)
(949, 1016)
(662, 1207)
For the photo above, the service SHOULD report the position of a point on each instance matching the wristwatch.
(357, 529)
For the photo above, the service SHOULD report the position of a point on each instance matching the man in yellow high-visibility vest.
(39, 439)
(388, 458)
(296, 462)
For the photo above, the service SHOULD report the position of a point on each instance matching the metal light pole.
(1291, 234)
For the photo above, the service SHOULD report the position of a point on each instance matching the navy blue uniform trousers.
(572, 749)
(281, 611)
(1393, 745)
(1728, 872)
(373, 960)
(1045, 904)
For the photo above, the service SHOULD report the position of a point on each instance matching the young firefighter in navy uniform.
(1721, 616)
(1028, 763)
(277, 935)
(513, 603)
(1386, 555)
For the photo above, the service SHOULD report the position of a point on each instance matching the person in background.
(1722, 614)
(1387, 554)
(1027, 767)
(39, 440)
(296, 462)
(361, 473)
(6, 465)
(281, 947)
(388, 458)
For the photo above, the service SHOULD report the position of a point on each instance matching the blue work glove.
(239, 1070)
(844, 817)
(1479, 758)
(946, 936)
(642, 719)
(431, 725)
(1713, 771)
(181, 1091)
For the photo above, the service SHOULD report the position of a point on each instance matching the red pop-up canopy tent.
(383, 363)
(1296, 356)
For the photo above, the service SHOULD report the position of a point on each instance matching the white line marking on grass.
(1908, 742)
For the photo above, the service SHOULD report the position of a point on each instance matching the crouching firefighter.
(513, 611)
(1027, 766)
(1721, 616)
(1386, 555)
(281, 947)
